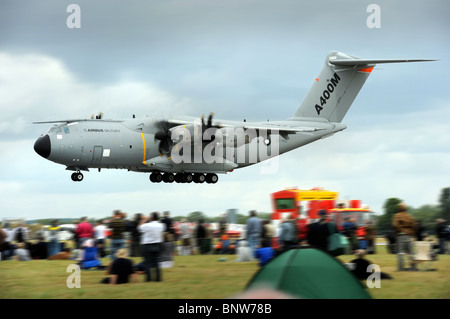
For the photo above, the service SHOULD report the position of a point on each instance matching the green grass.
(200, 277)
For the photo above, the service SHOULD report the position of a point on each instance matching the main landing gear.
(77, 177)
(199, 178)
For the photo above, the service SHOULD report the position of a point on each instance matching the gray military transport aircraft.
(186, 149)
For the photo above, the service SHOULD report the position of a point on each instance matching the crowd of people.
(156, 240)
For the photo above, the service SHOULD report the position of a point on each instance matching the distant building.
(14, 222)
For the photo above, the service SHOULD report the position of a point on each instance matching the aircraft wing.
(281, 126)
(75, 120)
(59, 121)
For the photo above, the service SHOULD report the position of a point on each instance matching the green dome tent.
(309, 273)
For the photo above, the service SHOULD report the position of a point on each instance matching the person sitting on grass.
(21, 253)
(244, 252)
(264, 254)
(361, 265)
(121, 270)
(89, 256)
(63, 255)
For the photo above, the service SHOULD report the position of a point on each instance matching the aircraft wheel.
(179, 178)
(168, 178)
(156, 177)
(77, 177)
(188, 178)
(212, 178)
(199, 178)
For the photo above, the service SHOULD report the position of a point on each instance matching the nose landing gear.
(77, 177)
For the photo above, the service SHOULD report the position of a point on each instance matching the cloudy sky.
(253, 59)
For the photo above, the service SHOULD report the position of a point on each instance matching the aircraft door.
(97, 155)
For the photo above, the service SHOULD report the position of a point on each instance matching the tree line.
(426, 214)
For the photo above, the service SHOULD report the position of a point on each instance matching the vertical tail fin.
(337, 86)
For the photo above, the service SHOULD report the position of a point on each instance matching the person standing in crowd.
(254, 228)
(405, 227)
(441, 233)
(350, 232)
(136, 236)
(295, 230)
(167, 251)
(21, 234)
(286, 234)
(370, 233)
(6, 248)
(185, 234)
(223, 224)
(420, 231)
(53, 245)
(268, 233)
(319, 231)
(448, 239)
(84, 231)
(100, 238)
(3, 236)
(200, 235)
(118, 227)
(151, 239)
(169, 223)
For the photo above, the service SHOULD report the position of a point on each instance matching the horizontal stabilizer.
(373, 61)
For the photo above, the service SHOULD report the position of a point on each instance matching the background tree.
(195, 216)
(444, 203)
(390, 207)
(427, 215)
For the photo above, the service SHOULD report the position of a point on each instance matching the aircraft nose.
(42, 146)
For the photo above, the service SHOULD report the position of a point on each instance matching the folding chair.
(422, 254)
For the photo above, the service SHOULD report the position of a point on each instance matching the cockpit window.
(52, 129)
(59, 129)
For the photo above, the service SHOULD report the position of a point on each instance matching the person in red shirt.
(84, 231)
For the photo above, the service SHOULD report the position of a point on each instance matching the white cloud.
(36, 87)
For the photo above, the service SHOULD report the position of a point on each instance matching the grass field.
(200, 277)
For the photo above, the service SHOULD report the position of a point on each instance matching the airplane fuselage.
(132, 145)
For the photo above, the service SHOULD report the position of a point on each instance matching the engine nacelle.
(190, 133)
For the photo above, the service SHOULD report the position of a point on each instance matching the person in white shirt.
(186, 234)
(100, 236)
(20, 234)
(151, 240)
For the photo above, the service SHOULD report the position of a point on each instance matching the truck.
(303, 206)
